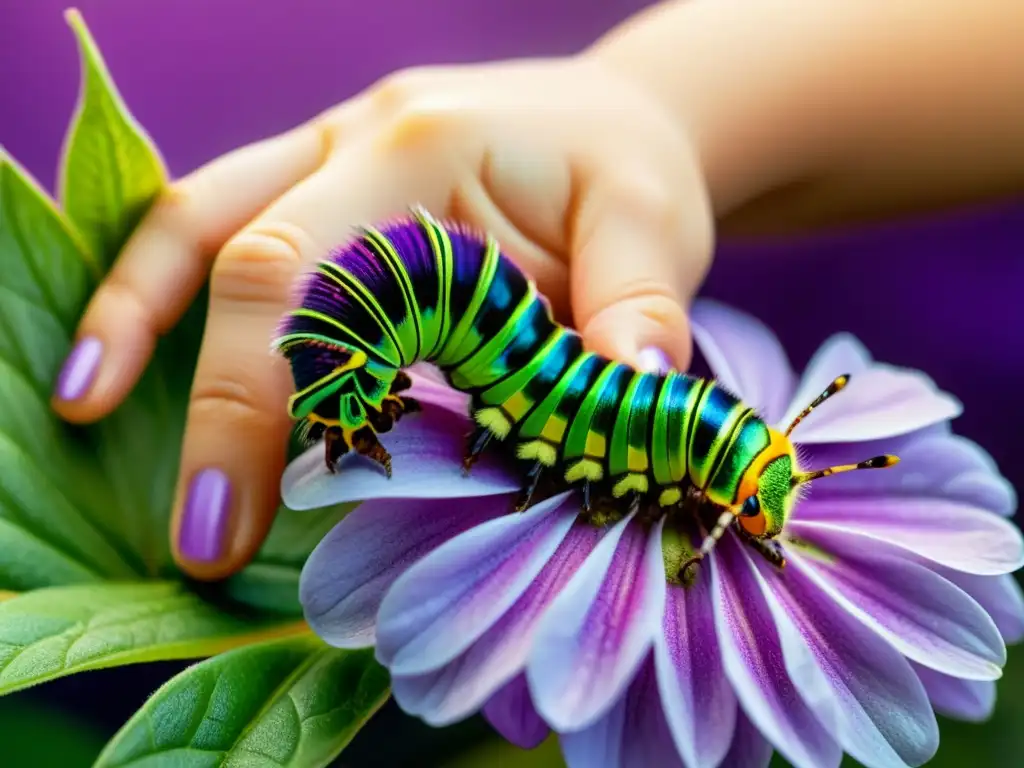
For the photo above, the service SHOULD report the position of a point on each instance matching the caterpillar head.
(767, 492)
(326, 393)
(772, 484)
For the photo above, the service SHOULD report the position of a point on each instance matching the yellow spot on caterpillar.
(596, 445)
(554, 429)
(629, 483)
(494, 420)
(584, 469)
(538, 450)
(669, 497)
(636, 460)
(313, 417)
(517, 405)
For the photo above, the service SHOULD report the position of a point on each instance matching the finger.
(473, 204)
(165, 263)
(639, 255)
(235, 443)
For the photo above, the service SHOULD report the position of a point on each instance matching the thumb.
(640, 251)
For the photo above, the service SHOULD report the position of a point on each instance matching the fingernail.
(205, 518)
(79, 369)
(653, 360)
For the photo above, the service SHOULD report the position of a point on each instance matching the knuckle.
(259, 264)
(130, 306)
(650, 200)
(226, 399)
(395, 90)
(419, 126)
(659, 297)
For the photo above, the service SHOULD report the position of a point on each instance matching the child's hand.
(584, 180)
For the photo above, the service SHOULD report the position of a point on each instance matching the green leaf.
(99, 496)
(287, 703)
(27, 562)
(50, 633)
(44, 283)
(271, 583)
(111, 171)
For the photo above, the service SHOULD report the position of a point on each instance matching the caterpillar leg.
(477, 442)
(365, 442)
(335, 446)
(769, 549)
(533, 477)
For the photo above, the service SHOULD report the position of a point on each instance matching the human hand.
(584, 180)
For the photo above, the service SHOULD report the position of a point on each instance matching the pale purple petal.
(426, 456)
(840, 354)
(510, 712)
(448, 599)
(933, 463)
(922, 615)
(430, 389)
(949, 533)
(632, 733)
(458, 689)
(345, 578)
(881, 401)
(753, 646)
(970, 700)
(596, 633)
(745, 356)
(1000, 596)
(884, 716)
(699, 703)
(749, 748)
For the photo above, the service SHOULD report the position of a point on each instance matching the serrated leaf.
(111, 171)
(271, 583)
(284, 704)
(50, 633)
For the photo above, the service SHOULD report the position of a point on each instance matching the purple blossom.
(897, 600)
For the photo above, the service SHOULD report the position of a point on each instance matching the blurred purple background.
(204, 76)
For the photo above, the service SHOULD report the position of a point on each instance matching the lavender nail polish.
(653, 360)
(79, 369)
(205, 518)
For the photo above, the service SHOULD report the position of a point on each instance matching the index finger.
(166, 261)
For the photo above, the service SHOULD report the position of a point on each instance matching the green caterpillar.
(417, 289)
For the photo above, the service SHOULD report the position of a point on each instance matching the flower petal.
(596, 633)
(345, 578)
(458, 689)
(884, 716)
(922, 615)
(443, 603)
(749, 749)
(757, 654)
(745, 356)
(932, 464)
(880, 400)
(632, 733)
(430, 388)
(970, 700)
(426, 457)
(949, 533)
(841, 353)
(1000, 596)
(510, 711)
(883, 401)
(699, 703)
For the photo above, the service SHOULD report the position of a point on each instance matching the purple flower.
(897, 600)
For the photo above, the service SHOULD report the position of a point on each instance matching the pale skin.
(605, 175)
